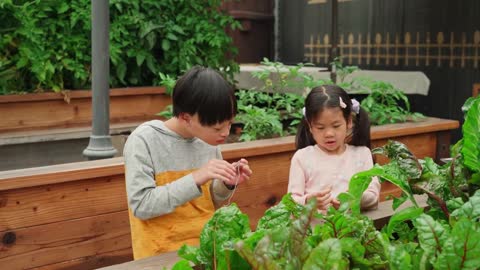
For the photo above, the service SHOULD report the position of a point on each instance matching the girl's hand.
(335, 203)
(244, 172)
(215, 169)
(324, 198)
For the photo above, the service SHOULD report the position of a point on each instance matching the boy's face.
(213, 135)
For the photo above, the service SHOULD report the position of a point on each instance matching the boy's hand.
(324, 198)
(215, 169)
(244, 172)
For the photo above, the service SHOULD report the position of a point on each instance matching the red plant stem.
(441, 203)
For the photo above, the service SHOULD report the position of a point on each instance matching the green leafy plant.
(46, 45)
(48, 42)
(284, 239)
(266, 114)
(384, 103)
(279, 78)
(444, 237)
(259, 123)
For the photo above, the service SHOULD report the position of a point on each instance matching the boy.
(170, 165)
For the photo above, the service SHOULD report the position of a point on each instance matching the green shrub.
(47, 44)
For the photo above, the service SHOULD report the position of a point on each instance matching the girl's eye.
(336, 126)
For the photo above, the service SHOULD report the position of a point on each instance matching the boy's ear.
(185, 117)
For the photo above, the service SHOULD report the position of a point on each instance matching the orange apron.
(169, 232)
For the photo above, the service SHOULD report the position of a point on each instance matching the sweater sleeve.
(145, 199)
(296, 181)
(371, 196)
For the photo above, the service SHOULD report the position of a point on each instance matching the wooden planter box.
(75, 215)
(54, 110)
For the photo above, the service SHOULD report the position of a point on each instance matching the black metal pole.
(334, 49)
(100, 144)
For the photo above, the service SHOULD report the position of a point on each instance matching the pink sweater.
(313, 170)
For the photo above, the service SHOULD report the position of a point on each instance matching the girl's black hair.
(328, 96)
(204, 91)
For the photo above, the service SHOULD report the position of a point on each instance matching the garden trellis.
(422, 49)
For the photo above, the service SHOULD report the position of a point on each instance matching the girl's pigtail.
(361, 129)
(304, 137)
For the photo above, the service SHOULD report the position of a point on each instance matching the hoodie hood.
(159, 126)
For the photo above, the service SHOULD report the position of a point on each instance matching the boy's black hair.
(328, 96)
(206, 92)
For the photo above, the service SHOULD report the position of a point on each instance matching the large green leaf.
(189, 253)
(409, 213)
(470, 209)
(462, 250)
(359, 183)
(471, 136)
(431, 234)
(228, 223)
(182, 265)
(327, 255)
(397, 151)
(280, 214)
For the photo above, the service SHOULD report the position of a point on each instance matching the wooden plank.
(443, 145)
(233, 151)
(51, 110)
(430, 124)
(266, 187)
(76, 94)
(151, 263)
(61, 173)
(67, 240)
(38, 205)
(387, 190)
(382, 214)
(93, 262)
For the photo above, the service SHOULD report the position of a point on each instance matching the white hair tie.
(355, 106)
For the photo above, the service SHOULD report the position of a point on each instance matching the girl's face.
(213, 135)
(329, 130)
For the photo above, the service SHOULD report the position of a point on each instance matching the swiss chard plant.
(445, 236)
(284, 239)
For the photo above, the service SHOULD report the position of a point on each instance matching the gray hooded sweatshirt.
(151, 149)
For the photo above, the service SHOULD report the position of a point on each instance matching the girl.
(332, 143)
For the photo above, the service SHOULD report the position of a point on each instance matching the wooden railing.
(75, 215)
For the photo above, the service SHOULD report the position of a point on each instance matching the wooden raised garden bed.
(73, 108)
(75, 215)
